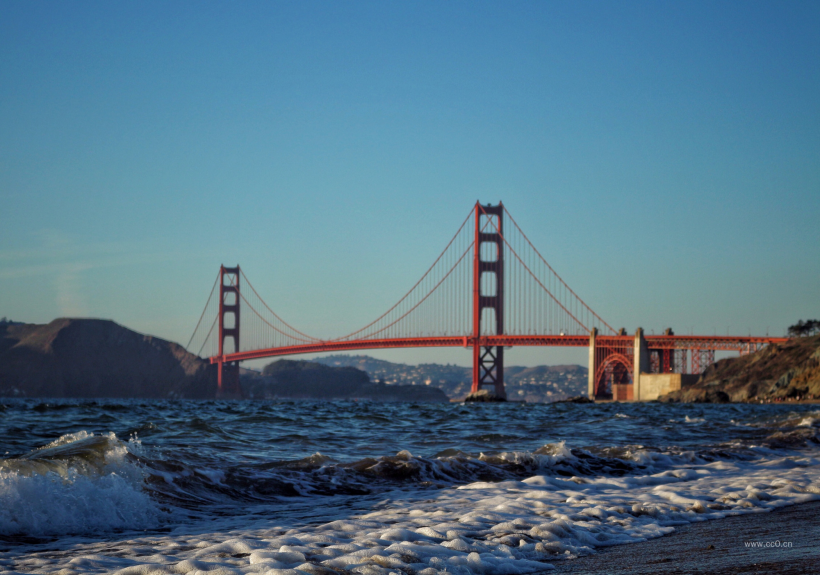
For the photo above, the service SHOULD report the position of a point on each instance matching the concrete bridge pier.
(592, 367)
(640, 362)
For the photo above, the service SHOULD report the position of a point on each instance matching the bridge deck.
(722, 343)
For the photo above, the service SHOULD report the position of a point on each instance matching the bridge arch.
(614, 369)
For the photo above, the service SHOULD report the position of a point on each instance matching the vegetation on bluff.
(805, 328)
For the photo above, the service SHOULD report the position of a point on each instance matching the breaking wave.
(80, 483)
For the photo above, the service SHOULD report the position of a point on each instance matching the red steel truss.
(701, 359)
(717, 342)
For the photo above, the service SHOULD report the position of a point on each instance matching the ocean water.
(285, 488)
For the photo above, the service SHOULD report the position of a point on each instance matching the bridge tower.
(488, 272)
(228, 372)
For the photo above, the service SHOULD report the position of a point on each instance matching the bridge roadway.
(717, 343)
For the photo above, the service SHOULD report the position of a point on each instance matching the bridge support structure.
(611, 361)
(488, 260)
(640, 362)
(624, 368)
(701, 359)
(228, 371)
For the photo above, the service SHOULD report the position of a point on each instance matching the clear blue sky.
(664, 157)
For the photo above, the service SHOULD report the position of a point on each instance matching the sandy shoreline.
(792, 534)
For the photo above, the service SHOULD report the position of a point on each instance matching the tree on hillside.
(804, 328)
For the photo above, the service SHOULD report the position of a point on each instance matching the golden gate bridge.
(488, 290)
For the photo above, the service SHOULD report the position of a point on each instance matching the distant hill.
(297, 379)
(97, 358)
(542, 383)
(790, 370)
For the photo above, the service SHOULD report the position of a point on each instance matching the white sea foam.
(80, 483)
(503, 528)
(809, 421)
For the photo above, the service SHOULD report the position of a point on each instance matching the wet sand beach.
(790, 539)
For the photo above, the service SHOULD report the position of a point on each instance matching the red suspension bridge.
(488, 290)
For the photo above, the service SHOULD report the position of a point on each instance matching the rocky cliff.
(97, 358)
(786, 371)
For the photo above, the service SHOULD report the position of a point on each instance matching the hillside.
(542, 383)
(97, 358)
(786, 371)
(292, 379)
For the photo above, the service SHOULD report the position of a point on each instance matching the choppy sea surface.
(118, 486)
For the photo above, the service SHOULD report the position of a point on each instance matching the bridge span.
(489, 290)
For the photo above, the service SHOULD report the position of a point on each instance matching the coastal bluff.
(96, 358)
(778, 372)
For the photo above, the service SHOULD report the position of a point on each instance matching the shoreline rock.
(576, 399)
(483, 396)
